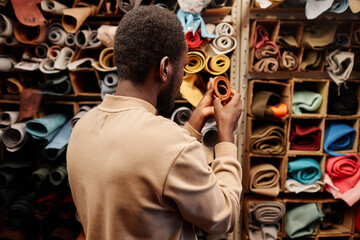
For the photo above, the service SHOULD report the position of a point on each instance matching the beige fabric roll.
(267, 65)
(265, 52)
(289, 61)
(264, 179)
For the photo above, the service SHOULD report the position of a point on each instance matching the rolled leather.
(14, 137)
(222, 88)
(28, 13)
(53, 7)
(56, 34)
(30, 35)
(126, 6)
(6, 26)
(106, 61)
(73, 18)
(217, 65)
(196, 61)
(181, 115)
(13, 85)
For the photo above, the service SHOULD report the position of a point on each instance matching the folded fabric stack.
(305, 101)
(267, 104)
(301, 220)
(268, 139)
(306, 138)
(303, 175)
(265, 220)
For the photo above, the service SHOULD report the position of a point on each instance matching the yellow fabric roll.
(217, 65)
(196, 61)
(189, 90)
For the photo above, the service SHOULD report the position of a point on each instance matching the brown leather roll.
(222, 88)
(73, 18)
(30, 35)
(14, 86)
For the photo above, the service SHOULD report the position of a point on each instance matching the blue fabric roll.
(191, 22)
(304, 170)
(59, 143)
(338, 136)
(42, 127)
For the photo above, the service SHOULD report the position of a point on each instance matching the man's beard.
(165, 100)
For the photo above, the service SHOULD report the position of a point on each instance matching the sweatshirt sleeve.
(193, 132)
(208, 197)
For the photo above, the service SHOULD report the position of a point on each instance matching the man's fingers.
(217, 103)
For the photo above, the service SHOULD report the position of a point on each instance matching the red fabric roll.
(305, 138)
(194, 40)
(344, 171)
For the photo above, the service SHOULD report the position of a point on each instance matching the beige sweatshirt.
(136, 175)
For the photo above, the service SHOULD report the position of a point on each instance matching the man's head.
(150, 37)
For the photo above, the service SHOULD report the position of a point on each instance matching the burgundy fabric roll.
(305, 138)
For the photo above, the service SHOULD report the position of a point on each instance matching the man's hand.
(204, 110)
(227, 116)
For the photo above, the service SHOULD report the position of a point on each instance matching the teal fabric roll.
(301, 220)
(306, 101)
(304, 170)
(42, 127)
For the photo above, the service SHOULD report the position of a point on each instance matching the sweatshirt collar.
(113, 103)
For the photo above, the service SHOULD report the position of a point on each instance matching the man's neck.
(144, 92)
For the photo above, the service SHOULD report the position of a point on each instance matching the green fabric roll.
(301, 220)
(306, 101)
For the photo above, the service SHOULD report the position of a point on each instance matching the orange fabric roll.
(222, 88)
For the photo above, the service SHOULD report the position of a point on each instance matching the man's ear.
(165, 69)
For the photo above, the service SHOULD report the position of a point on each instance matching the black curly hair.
(144, 36)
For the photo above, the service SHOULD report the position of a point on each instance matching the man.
(136, 175)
